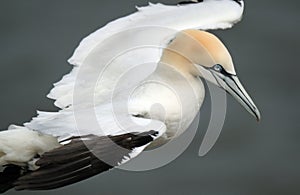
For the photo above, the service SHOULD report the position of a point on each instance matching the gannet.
(108, 113)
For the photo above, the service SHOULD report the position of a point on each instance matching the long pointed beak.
(234, 87)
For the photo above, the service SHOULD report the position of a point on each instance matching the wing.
(83, 157)
(101, 54)
(113, 60)
(103, 120)
(89, 146)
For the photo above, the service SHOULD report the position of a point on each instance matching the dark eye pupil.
(218, 67)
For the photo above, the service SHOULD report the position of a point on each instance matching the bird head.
(200, 53)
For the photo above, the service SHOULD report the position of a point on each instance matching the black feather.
(9, 175)
(189, 2)
(238, 2)
(80, 159)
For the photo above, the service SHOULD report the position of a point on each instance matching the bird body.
(168, 96)
(115, 104)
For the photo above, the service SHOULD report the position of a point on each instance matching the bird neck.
(179, 63)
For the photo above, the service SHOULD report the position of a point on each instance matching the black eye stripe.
(222, 70)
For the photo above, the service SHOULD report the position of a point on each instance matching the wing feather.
(206, 15)
(83, 158)
(113, 60)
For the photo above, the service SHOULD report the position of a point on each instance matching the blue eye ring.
(218, 68)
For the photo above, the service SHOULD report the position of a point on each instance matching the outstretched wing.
(135, 39)
(106, 119)
(84, 157)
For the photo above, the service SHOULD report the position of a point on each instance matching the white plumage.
(145, 27)
(122, 74)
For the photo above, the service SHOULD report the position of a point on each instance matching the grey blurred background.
(38, 36)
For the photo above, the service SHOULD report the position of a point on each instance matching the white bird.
(97, 128)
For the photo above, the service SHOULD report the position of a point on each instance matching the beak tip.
(257, 115)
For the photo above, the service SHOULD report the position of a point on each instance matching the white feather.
(84, 96)
(19, 145)
(101, 64)
(64, 124)
(210, 14)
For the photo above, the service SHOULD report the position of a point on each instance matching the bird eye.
(218, 67)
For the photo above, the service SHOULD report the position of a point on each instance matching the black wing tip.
(189, 2)
(200, 1)
(75, 161)
(238, 2)
(134, 140)
(9, 175)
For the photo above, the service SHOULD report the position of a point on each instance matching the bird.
(136, 84)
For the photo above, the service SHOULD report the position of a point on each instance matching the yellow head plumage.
(197, 47)
(199, 53)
